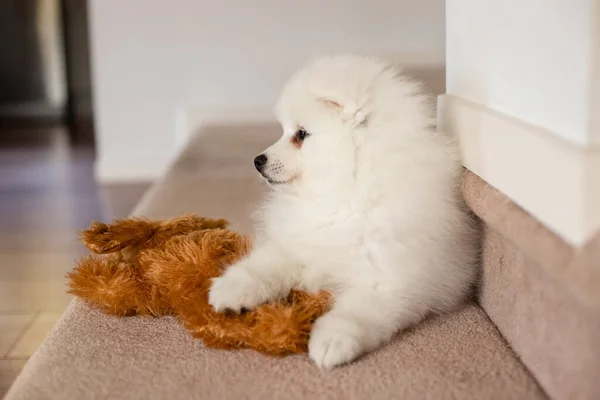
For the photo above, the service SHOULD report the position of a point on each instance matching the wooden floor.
(47, 194)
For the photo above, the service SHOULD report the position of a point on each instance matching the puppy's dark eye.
(299, 137)
(301, 134)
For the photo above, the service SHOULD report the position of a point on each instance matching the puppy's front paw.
(334, 341)
(236, 290)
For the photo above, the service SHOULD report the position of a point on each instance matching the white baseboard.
(196, 118)
(186, 123)
(551, 179)
(124, 171)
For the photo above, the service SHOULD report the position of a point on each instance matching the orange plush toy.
(154, 268)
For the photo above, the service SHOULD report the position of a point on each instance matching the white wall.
(32, 79)
(523, 96)
(532, 59)
(153, 60)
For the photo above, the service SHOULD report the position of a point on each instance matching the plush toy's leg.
(104, 238)
(284, 327)
(278, 328)
(185, 225)
(114, 287)
(267, 274)
(108, 238)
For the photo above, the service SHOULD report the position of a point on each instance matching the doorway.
(45, 74)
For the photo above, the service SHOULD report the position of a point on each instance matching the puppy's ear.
(332, 104)
(348, 110)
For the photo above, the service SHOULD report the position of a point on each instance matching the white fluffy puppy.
(365, 203)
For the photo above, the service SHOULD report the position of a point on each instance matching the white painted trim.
(197, 118)
(186, 123)
(550, 178)
(122, 171)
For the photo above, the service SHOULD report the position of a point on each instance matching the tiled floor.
(47, 194)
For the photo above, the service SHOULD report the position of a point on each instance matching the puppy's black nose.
(260, 161)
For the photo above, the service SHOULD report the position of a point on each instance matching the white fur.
(368, 208)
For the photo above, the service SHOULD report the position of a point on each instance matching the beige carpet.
(543, 295)
(91, 355)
